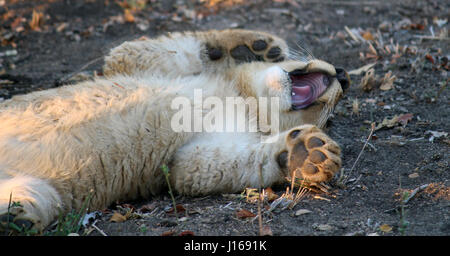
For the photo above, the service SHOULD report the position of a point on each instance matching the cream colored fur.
(109, 137)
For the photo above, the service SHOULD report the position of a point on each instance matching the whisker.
(295, 55)
(302, 52)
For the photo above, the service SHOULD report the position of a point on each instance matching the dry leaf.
(417, 26)
(429, 58)
(142, 38)
(148, 207)
(16, 23)
(404, 119)
(128, 16)
(373, 50)
(168, 233)
(385, 228)
(369, 80)
(266, 231)
(387, 82)
(271, 196)
(36, 20)
(242, 214)
(187, 233)
(388, 123)
(180, 208)
(117, 217)
(368, 36)
(124, 4)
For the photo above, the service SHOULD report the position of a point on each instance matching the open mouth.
(306, 88)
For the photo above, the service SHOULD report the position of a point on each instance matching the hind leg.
(28, 202)
(191, 53)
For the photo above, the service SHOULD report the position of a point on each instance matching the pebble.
(322, 227)
(355, 233)
(302, 211)
(8, 53)
(182, 219)
(413, 175)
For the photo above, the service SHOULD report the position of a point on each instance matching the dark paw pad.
(282, 159)
(315, 142)
(243, 54)
(214, 53)
(310, 169)
(317, 157)
(279, 59)
(24, 224)
(259, 45)
(294, 134)
(7, 220)
(298, 156)
(274, 52)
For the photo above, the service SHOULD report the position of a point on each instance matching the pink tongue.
(306, 89)
(301, 93)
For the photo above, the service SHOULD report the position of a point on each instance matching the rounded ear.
(343, 78)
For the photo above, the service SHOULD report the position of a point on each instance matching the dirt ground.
(408, 150)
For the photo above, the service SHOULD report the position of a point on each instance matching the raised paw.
(246, 46)
(311, 154)
(17, 221)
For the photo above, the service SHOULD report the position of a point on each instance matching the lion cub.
(109, 137)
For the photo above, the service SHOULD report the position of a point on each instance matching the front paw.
(311, 154)
(246, 46)
(16, 220)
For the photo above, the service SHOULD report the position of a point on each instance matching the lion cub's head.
(307, 91)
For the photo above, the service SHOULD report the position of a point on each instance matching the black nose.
(343, 78)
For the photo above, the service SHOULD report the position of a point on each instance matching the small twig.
(370, 145)
(293, 180)
(350, 33)
(414, 192)
(261, 181)
(99, 230)
(360, 153)
(67, 77)
(406, 200)
(432, 37)
(343, 2)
